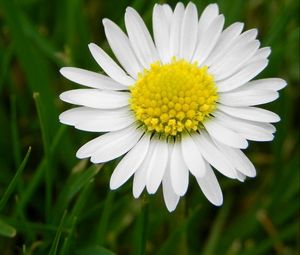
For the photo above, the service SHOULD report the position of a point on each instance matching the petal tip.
(245, 144)
(113, 185)
(105, 21)
(171, 209)
(218, 201)
(191, 5)
(63, 70)
(268, 48)
(62, 118)
(94, 160)
(136, 193)
(214, 6)
(284, 83)
(63, 96)
(252, 175)
(92, 46)
(129, 9)
(179, 5)
(80, 155)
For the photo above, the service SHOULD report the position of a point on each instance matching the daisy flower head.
(180, 103)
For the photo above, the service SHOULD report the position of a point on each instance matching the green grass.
(52, 203)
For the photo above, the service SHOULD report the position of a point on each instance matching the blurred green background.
(52, 203)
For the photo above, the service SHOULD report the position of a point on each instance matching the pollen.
(172, 98)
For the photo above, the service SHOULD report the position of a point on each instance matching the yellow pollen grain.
(174, 97)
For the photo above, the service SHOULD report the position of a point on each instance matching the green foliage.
(52, 203)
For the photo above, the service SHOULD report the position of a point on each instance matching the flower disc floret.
(173, 97)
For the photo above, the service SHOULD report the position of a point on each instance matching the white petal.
(250, 113)
(238, 159)
(157, 165)
(110, 145)
(109, 66)
(140, 176)
(246, 37)
(274, 84)
(262, 53)
(208, 40)
(105, 124)
(161, 33)
(168, 12)
(179, 171)
(95, 98)
(96, 120)
(170, 197)
(139, 181)
(225, 41)
(241, 177)
(206, 18)
(189, 33)
(115, 145)
(244, 75)
(130, 163)
(251, 130)
(224, 135)
(248, 97)
(91, 79)
(175, 30)
(140, 38)
(78, 114)
(233, 60)
(89, 149)
(210, 186)
(267, 126)
(234, 52)
(238, 40)
(192, 156)
(211, 153)
(121, 47)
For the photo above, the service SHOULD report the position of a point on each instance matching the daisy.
(177, 105)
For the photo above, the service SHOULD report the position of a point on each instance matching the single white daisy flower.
(180, 104)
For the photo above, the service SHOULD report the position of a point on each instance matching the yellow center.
(174, 97)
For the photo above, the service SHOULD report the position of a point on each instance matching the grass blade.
(36, 179)
(35, 67)
(14, 181)
(45, 138)
(104, 220)
(14, 131)
(94, 250)
(7, 230)
(54, 246)
(74, 184)
(75, 214)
